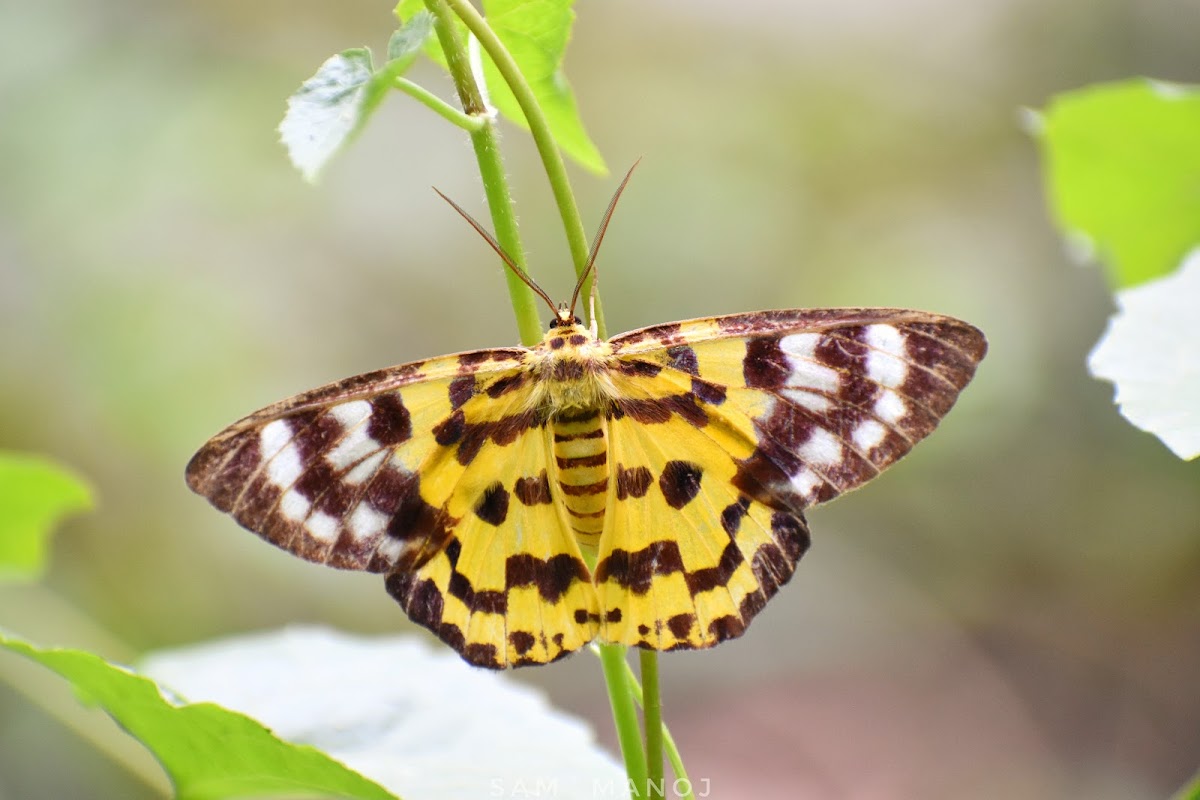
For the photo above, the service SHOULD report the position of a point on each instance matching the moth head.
(564, 317)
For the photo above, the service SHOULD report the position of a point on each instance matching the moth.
(647, 490)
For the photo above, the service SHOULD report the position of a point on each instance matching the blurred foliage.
(35, 494)
(1123, 169)
(163, 271)
(1191, 791)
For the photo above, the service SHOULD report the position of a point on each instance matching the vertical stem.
(620, 697)
(491, 170)
(612, 657)
(652, 722)
(684, 786)
(539, 128)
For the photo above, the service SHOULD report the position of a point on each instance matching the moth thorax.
(572, 363)
(576, 391)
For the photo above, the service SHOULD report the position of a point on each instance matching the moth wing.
(728, 428)
(687, 558)
(507, 586)
(383, 472)
(832, 396)
(311, 474)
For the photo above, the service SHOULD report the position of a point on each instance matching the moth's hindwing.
(508, 586)
(726, 429)
(687, 557)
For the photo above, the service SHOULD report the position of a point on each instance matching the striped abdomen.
(581, 453)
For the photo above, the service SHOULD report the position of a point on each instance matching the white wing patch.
(352, 413)
(323, 527)
(890, 407)
(366, 523)
(805, 481)
(365, 468)
(810, 400)
(823, 449)
(294, 505)
(355, 446)
(284, 467)
(806, 370)
(885, 362)
(273, 438)
(867, 435)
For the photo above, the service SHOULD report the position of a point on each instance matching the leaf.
(1189, 792)
(407, 10)
(420, 722)
(1123, 173)
(332, 106)
(407, 41)
(206, 750)
(535, 32)
(327, 110)
(35, 495)
(1151, 351)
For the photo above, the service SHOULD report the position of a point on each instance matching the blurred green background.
(1012, 612)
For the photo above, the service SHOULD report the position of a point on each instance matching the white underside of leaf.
(325, 111)
(423, 724)
(1151, 352)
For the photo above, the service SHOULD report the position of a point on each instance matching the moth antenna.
(600, 238)
(505, 257)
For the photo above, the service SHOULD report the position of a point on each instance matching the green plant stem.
(612, 657)
(672, 749)
(491, 170)
(621, 698)
(539, 128)
(652, 722)
(439, 106)
(623, 692)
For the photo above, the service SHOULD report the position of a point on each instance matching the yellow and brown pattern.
(677, 459)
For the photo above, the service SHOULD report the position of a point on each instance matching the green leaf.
(536, 33)
(419, 721)
(408, 10)
(208, 751)
(1189, 792)
(405, 45)
(35, 495)
(1123, 173)
(332, 106)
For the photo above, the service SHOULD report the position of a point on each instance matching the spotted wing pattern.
(727, 429)
(434, 473)
(472, 487)
(509, 586)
